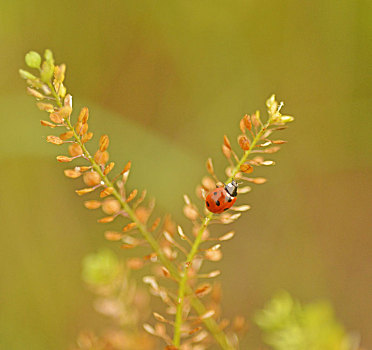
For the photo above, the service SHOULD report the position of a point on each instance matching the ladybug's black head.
(232, 188)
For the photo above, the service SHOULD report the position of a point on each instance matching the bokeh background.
(166, 80)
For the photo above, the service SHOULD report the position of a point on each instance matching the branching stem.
(183, 283)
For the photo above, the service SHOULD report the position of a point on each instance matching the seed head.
(93, 204)
(91, 178)
(64, 159)
(101, 157)
(67, 135)
(46, 123)
(111, 206)
(113, 236)
(106, 219)
(246, 168)
(84, 191)
(243, 142)
(72, 174)
(75, 150)
(54, 139)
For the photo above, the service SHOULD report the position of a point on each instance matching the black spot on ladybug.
(218, 203)
(229, 200)
(215, 193)
(207, 204)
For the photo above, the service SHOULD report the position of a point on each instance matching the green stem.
(182, 285)
(198, 306)
(217, 333)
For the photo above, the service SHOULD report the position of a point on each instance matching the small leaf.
(26, 75)
(33, 59)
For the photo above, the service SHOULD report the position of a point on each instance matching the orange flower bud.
(91, 178)
(103, 143)
(75, 150)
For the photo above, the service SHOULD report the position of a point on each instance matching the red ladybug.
(222, 198)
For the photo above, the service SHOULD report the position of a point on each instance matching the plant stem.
(198, 306)
(183, 283)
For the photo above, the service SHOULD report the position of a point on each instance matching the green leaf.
(26, 75)
(33, 59)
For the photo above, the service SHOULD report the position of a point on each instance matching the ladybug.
(222, 198)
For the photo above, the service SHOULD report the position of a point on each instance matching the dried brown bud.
(227, 236)
(64, 159)
(208, 183)
(65, 112)
(74, 150)
(113, 236)
(126, 168)
(243, 190)
(72, 174)
(45, 107)
(67, 135)
(247, 122)
(83, 115)
(203, 290)
(242, 125)
(258, 180)
(106, 220)
(54, 139)
(226, 142)
(256, 121)
(132, 195)
(278, 142)
(226, 151)
(56, 118)
(88, 136)
(135, 263)
(106, 192)
(84, 129)
(129, 227)
(143, 214)
(59, 73)
(246, 168)
(91, 178)
(213, 255)
(191, 212)
(111, 206)
(46, 123)
(93, 204)
(272, 149)
(103, 143)
(108, 168)
(210, 166)
(243, 142)
(84, 191)
(101, 157)
(155, 224)
(35, 93)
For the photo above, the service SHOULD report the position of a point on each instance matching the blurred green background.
(166, 80)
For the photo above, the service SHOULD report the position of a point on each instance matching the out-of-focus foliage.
(100, 268)
(289, 325)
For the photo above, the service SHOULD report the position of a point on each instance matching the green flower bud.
(33, 59)
(47, 70)
(48, 55)
(26, 75)
(100, 268)
(286, 119)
